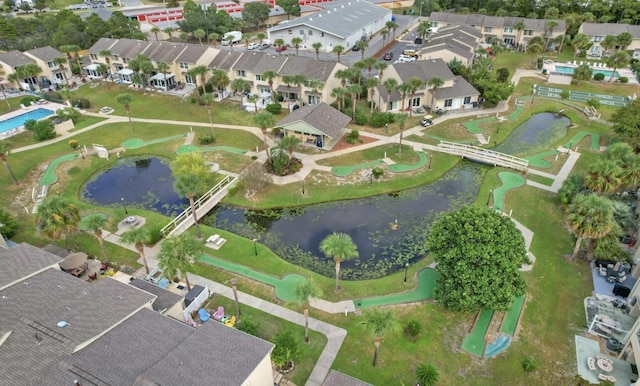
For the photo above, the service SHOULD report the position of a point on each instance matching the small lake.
(537, 133)
(143, 183)
(296, 233)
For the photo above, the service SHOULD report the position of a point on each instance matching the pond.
(143, 183)
(296, 233)
(537, 133)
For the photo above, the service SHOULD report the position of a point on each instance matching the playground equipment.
(231, 321)
(218, 315)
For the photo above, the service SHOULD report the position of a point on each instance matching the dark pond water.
(295, 233)
(143, 183)
(539, 132)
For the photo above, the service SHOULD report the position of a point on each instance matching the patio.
(593, 370)
(610, 321)
(602, 287)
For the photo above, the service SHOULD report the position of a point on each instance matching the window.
(508, 30)
(487, 29)
(115, 57)
(94, 57)
(290, 32)
(240, 73)
(434, 24)
(321, 34)
(448, 102)
(259, 77)
(125, 60)
(263, 90)
(598, 38)
(188, 79)
(51, 64)
(310, 33)
(184, 65)
(302, 32)
(415, 102)
(528, 32)
(467, 100)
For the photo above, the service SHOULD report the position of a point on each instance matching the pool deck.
(49, 106)
(550, 66)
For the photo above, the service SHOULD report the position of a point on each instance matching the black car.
(388, 56)
(426, 122)
(355, 48)
(417, 41)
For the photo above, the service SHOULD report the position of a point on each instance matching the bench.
(213, 239)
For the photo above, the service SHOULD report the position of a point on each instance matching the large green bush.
(380, 119)
(274, 108)
(623, 79)
(83, 103)
(9, 224)
(44, 130)
(598, 76)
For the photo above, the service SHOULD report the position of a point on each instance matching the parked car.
(426, 122)
(405, 59)
(253, 46)
(281, 48)
(265, 45)
(411, 53)
(417, 41)
(388, 56)
(355, 48)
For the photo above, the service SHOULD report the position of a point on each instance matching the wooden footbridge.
(203, 205)
(483, 155)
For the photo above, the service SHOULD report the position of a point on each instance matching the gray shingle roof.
(460, 29)
(311, 68)
(15, 59)
(336, 378)
(224, 60)
(604, 29)
(23, 261)
(423, 69)
(101, 45)
(461, 88)
(149, 348)
(321, 116)
(447, 44)
(340, 19)
(192, 54)
(46, 54)
(164, 52)
(494, 21)
(248, 60)
(164, 298)
(128, 48)
(270, 62)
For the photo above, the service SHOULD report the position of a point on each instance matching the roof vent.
(62, 324)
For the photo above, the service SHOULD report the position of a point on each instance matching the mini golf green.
(135, 143)
(509, 181)
(514, 115)
(343, 171)
(539, 161)
(473, 126)
(424, 291)
(284, 287)
(595, 140)
(191, 148)
(401, 168)
(511, 319)
(474, 342)
(49, 176)
(437, 138)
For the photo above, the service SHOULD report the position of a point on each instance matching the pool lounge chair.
(204, 315)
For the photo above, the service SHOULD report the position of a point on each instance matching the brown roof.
(164, 52)
(225, 60)
(192, 54)
(46, 53)
(15, 59)
(101, 45)
(311, 68)
(128, 48)
(248, 60)
(321, 116)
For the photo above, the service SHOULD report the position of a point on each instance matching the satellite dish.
(62, 324)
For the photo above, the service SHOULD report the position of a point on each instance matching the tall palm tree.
(207, 100)
(57, 218)
(317, 46)
(288, 143)
(125, 100)
(169, 31)
(106, 54)
(427, 375)
(362, 45)
(155, 31)
(5, 149)
(296, 42)
(240, 85)
(138, 237)
(551, 24)
(590, 217)
(371, 84)
(338, 50)
(269, 76)
(220, 79)
(199, 34)
(415, 84)
(103, 70)
(4, 95)
(519, 27)
(391, 26)
(340, 246)
(199, 72)
(163, 68)
(380, 66)
(305, 291)
(95, 223)
(384, 32)
(190, 182)
(378, 323)
(261, 36)
(435, 83)
(264, 120)
(404, 89)
(401, 120)
(390, 85)
(61, 62)
(299, 80)
(338, 93)
(288, 80)
(316, 87)
(604, 176)
(177, 255)
(33, 71)
(370, 63)
(618, 60)
(354, 90)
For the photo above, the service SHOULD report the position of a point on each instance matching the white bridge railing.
(484, 155)
(212, 194)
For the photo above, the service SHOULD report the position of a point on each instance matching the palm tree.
(390, 85)
(340, 246)
(269, 76)
(288, 143)
(177, 255)
(5, 149)
(370, 63)
(384, 32)
(155, 31)
(378, 323)
(261, 36)
(199, 34)
(609, 42)
(380, 66)
(362, 45)
(317, 46)
(61, 62)
(299, 80)
(107, 57)
(220, 79)
(391, 26)
(296, 42)
(354, 90)
(569, 21)
(519, 27)
(288, 80)
(618, 60)
(305, 291)
(169, 31)
(316, 87)
(401, 119)
(94, 224)
(213, 37)
(190, 182)
(264, 120)
(427, 375)
(338, 50)
(200, 71)
(57, 218)
(207, 100)
(33, 71)
(338, 93)
(533, 49)
(371, 84)
(240, 85)
(415, 84)
(590, 217)
(4, 95)
(551, 24)
(404, 89)
(278, 42)
(163, 68)
(604, 176)
(138, 237)
(125, 100)
(103, 70)
(435, 83)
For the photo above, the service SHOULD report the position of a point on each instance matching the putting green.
(509, 181)
(538, 160)
(284, 287)
(469, 141)
(343, 171)
(135, 143)
(474, 342)
(424, 291)
(510, 323)
(401, 168)
(49, 176)
(473, 127)
(514, 115)
(595, 140)
(191, 148)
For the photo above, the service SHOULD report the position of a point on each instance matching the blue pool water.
(570, 70)
(19, 120)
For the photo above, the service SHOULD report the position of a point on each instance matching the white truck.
(232, 37)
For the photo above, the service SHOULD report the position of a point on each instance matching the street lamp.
(533, 98)
(489, 197)
(406, 268)
(124, 205)
(255, 247)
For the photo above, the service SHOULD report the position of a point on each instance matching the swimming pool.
(570, 70)
(19, 120)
